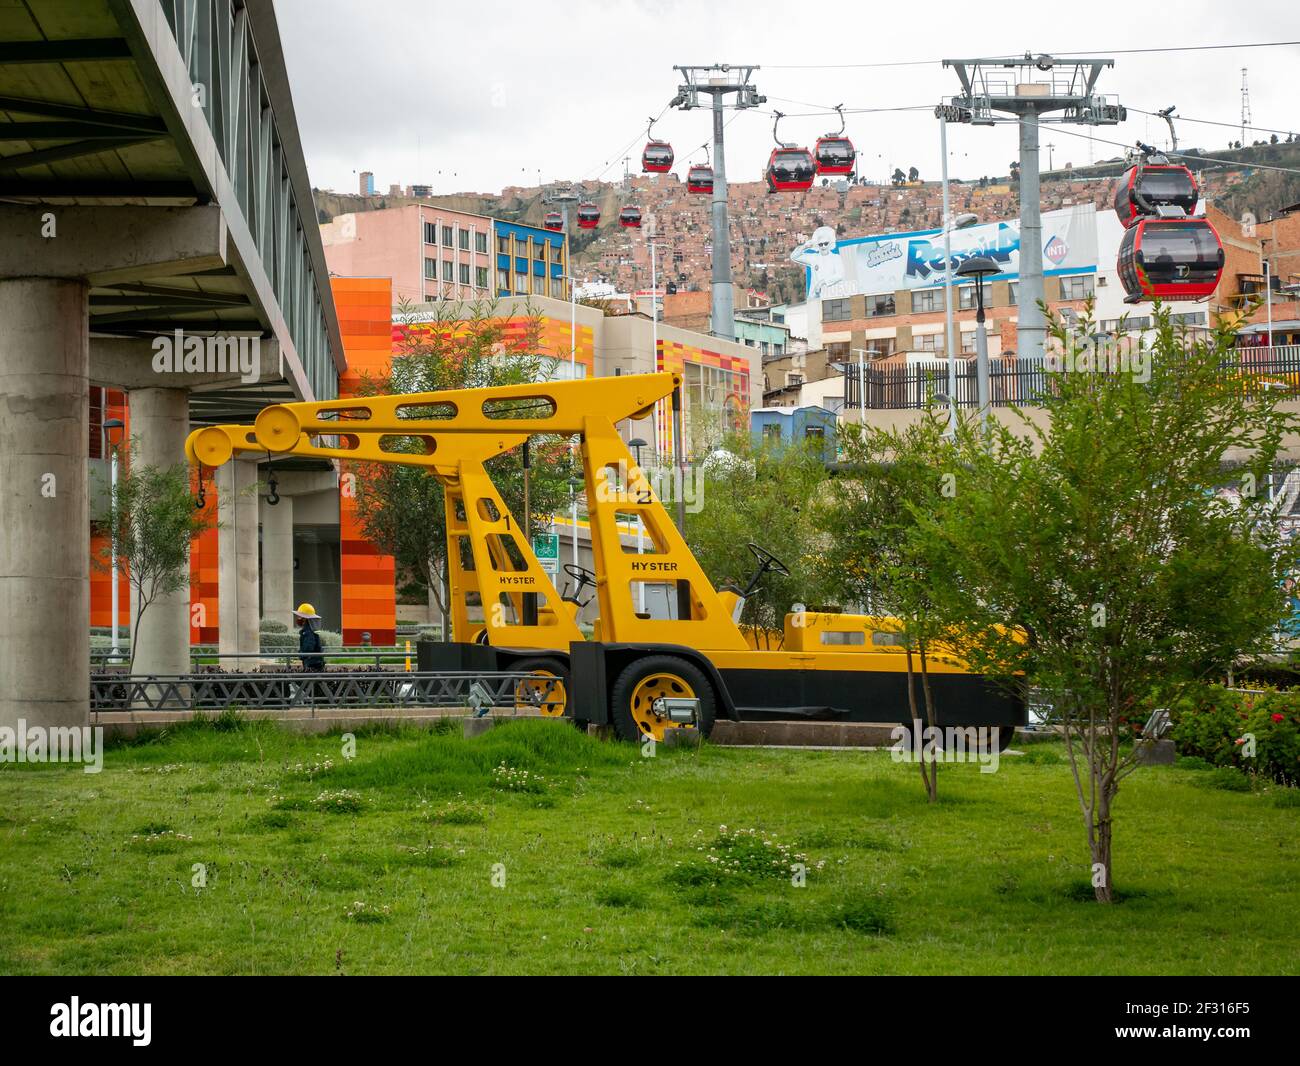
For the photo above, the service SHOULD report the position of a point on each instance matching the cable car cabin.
(554, 221)
(790, 170)
(657, 158)
(1160, 185)
(699, 179)
(1173, 259)
(588, 216)
(834, 155)
(630, 217)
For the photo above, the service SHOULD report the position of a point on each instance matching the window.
(464, 273)
(772, 431)
(1013, 291)
(503, 245)
(1076, 287)
(778, 350)
(430, 233)
(464, 240)
(836, 310)
(430, 269)
(814, 432)
(503, 280)
(480, 242)
(448, 270)
(794, 379)
(968, 342)
(928, 342)
(481, 277)
(837, 350)
(446, 236)
(927, 300)
(557, 288)
(966, 298)
(765, 346)
(880, 305)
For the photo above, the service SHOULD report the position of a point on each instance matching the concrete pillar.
(237, 584)
(277, 560)
(44, 503)
(160, 420)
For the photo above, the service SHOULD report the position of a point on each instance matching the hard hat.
(305, 610)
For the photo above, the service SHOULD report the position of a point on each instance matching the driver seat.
(733, 601)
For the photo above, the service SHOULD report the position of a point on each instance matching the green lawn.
(603, 867)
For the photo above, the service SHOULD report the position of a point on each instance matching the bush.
(1257, 732)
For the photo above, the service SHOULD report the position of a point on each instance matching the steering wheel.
(768, 561)
(580, 574)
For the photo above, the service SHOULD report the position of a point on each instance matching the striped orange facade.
(673, 356)
(368, 578)
(112, 404)
(204, 616)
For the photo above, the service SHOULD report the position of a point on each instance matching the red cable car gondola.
(1170, 258)
(554, 221)
(1152, 185)
(1165, 254)
(789, 167)
(588, 215)
(657, 156)
(834, 152)
(699, 179)
(630, 217)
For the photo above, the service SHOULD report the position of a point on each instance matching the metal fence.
(1024, 382)
(371, 689)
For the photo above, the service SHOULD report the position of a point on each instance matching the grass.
(230, 847)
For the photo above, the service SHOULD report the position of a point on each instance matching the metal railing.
(1023, 382)
(479, 692)
(198, 654)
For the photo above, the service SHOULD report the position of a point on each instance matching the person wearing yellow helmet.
(309, 642)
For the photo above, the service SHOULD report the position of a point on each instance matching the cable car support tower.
(719, 81)
(1031, 90)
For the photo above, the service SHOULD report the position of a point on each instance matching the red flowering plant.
(1257, 731)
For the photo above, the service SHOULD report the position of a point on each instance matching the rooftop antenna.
(1245, 107)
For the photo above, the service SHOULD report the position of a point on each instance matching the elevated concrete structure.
(151, 180)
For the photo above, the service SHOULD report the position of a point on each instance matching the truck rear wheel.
(549, 697)
(659, 676)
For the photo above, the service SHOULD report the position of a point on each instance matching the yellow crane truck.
(644, 675)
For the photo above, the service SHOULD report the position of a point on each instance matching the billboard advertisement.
(836, 269)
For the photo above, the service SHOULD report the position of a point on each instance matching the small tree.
(768, 496)
(892, 480)
(1120, 553)
(152, 525)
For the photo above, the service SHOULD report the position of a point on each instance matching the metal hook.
(272, 484)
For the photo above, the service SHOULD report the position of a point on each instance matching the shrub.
(1257, 732)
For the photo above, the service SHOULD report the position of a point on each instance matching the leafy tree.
(893, 479)
(152, 524)
(1102, 555)
(465, 346)
(766, 495)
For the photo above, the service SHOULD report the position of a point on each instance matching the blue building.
(531, 261)
(787, 425)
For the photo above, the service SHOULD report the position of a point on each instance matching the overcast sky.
(477, 96)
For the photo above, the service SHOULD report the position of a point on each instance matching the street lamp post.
(113, 429)
(977, 268)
